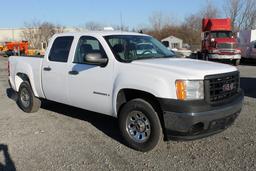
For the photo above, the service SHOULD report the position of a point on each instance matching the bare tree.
(194, 22)
(232, 9)
(122, 27)
(30, 33)
(158, 21)
(209, 11)
(93, 26)
(37, 32)
(242, 13)
(247, 19)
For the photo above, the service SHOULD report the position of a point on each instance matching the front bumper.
(219, 56)
(197, 119)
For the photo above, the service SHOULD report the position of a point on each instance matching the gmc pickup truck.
(153, 94)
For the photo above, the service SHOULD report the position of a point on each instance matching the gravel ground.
(60, 137)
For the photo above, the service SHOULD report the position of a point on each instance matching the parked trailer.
(247, 43)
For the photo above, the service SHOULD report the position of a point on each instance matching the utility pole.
(121, 21)
(12, 34)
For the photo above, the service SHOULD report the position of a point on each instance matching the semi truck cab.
(218, 41)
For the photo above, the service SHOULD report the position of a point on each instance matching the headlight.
(189, 90)
(237, 51)
(215, 51)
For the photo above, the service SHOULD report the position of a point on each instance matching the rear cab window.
(60, 49)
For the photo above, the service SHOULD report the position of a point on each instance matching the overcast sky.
(76, 12)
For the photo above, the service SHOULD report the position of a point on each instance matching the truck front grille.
(221, 87)
(226, 46)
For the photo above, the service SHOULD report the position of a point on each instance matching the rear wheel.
(26, 99)
(140, 125)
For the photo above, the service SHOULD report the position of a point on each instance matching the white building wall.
(174, 42)
(8, 34)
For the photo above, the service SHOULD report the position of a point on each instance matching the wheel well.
(23, 76)
(126, 95)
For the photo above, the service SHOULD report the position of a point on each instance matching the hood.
(225, 40)
(186, 68)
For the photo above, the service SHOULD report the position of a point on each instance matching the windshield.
(221, 34)
(127, 48)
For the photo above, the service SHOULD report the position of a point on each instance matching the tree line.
(241, 12)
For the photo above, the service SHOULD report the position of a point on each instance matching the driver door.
(90, 86)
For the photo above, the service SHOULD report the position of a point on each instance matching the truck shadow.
(8, 163)
(106, 124)
(248, 62)
(248, 85)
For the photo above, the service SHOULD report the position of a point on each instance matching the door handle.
(47, 69)
(73, 72)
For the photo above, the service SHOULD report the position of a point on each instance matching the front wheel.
(236, 62)
(140, 125)
(26, 99)
(206, 56)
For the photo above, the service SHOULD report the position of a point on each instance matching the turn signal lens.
(181, 89)
(189, 89)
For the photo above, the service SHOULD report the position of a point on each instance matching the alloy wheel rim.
(138, 126)
(25, 97)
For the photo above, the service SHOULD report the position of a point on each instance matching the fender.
(156, 86)
(24, 70)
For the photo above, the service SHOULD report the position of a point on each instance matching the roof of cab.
(99, 33)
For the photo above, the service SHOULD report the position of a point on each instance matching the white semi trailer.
(247, 43)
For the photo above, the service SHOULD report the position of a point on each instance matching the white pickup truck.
(152, 93)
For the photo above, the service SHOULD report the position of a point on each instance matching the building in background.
(8, 34)
(15, 34)
(173, 42)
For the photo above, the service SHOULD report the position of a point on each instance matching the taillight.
(8, 68)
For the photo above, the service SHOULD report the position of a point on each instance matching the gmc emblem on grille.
(228, 87)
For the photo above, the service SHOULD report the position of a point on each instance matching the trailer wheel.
(27, 100)
(140, 125)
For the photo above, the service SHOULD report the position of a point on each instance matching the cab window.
(60, 49)
(86, 45)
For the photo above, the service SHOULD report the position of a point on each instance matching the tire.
(206, 56)
(26, 99)
(140, 125)
(199, 55)
(237, 62)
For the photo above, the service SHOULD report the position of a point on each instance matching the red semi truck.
(218, 41)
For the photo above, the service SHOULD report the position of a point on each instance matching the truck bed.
(31, 66)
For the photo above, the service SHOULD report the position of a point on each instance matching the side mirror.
(95, 59)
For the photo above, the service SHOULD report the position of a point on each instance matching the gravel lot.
(60, 137)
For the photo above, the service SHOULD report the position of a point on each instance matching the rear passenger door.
(55, 71)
